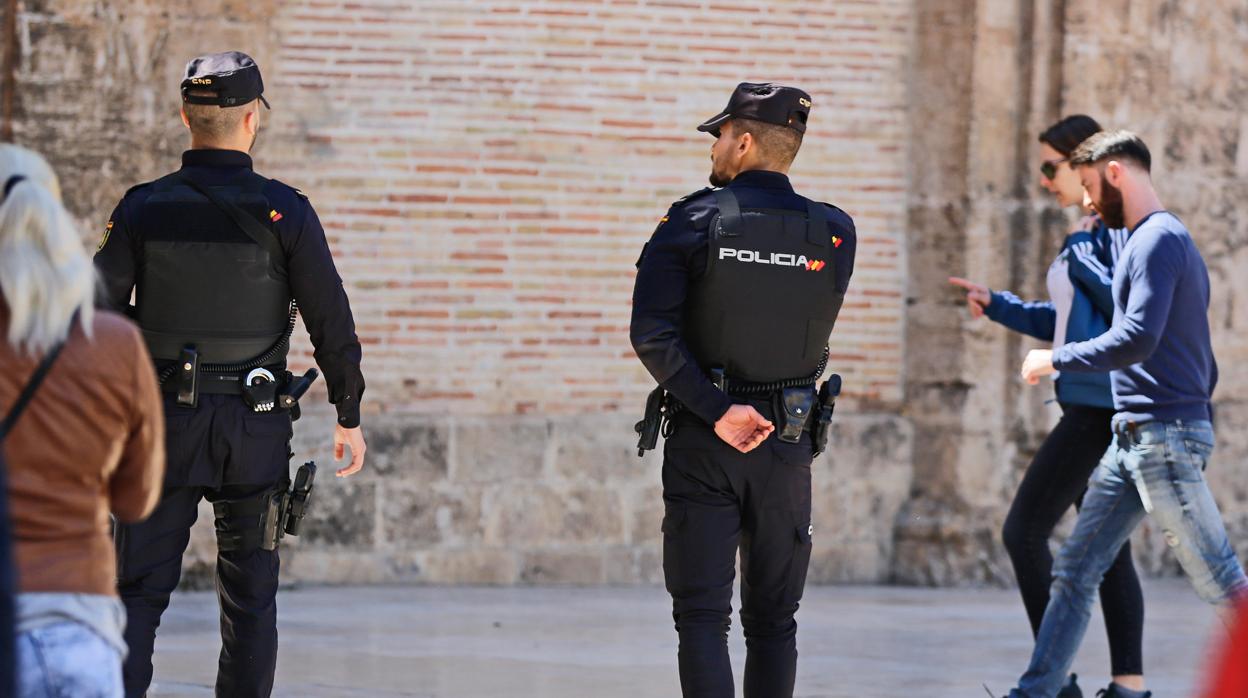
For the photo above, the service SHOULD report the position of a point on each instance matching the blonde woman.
(87, 443)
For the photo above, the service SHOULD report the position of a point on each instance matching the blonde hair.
(46, 277)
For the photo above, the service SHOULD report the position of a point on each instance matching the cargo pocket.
(800, 563)
(674, 562)
(673, 520)
(266, 448)
(183, 447)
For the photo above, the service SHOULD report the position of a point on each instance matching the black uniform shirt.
(676, 256)
(314, 280)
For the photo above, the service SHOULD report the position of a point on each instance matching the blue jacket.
(1090, 257)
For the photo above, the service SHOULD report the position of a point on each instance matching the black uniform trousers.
(717, 501)
(218, 451)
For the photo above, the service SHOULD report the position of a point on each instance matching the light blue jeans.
(67, 660)
(1154, 468)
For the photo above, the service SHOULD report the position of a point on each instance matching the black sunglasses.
(1048, 168)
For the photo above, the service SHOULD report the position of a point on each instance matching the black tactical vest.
(205, 282)
(765, 307)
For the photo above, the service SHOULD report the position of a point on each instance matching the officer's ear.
(251, 120)
(186, 120)
(745, 143)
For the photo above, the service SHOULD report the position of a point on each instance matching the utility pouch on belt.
(188, 377)
(651, 424)
(828, 393)
(796, 404)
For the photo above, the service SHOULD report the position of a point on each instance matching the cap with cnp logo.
(772, 104)
(233, 78)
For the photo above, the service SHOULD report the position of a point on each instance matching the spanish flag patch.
(836, 241)
(275, 216)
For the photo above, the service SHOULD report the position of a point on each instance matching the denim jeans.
(67, 660)
(1154, 468)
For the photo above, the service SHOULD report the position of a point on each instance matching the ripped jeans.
(1153, 468)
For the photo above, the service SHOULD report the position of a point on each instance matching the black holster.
(262, 521)
(651, 424)
(828, 393)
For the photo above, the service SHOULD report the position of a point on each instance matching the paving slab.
(855, 642)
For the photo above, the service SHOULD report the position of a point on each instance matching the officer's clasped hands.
(743, 428)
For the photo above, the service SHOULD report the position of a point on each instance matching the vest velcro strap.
(730, 223)
(817, 224)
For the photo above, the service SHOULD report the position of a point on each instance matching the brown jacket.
(91, 442)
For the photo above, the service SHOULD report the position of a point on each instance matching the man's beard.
(1110, 205)
(718, 180)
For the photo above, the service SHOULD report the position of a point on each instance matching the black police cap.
(233, 78)
(766, 102)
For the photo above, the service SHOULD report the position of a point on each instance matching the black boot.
(1116, 691)
(1071, 689)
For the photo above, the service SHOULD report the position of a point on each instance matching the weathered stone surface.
(599, 449)
(564, 566)
(500, 450)
(399, 447)
(416, 515)
(345, 517)
(477, 565)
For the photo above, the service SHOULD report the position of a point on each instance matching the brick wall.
(487, 172)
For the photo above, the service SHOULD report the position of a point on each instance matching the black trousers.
(247, 455)
(1056, 480)
(717, 502)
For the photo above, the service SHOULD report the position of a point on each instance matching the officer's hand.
(743, 428)
(978, 296)
(1039, 363)
(353, 438)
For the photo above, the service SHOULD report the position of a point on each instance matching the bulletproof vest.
(205, 282)
(765, 307)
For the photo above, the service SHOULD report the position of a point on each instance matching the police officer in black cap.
(218, 256)
(735, 298)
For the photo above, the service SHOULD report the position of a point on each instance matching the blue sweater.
(1090, 262)
(1159, 349)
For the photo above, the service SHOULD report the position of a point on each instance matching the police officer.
(216, 254)
(735, 298)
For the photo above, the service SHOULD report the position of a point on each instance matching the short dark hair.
(1066, 135)
(211, 121)
(777, 144)
(1121, 145)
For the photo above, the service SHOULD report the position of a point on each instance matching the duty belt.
(212, 384)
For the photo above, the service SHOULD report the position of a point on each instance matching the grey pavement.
(876, 642)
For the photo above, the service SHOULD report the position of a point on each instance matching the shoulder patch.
(108, 229)
(694, 195)
(297, 192)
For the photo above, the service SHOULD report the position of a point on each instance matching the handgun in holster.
(286, 508)
(828, 393)
(651, 425)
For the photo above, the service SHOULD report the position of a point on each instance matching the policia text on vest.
(736, 296)
(217, 257)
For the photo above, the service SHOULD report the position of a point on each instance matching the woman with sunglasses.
(1080, 307)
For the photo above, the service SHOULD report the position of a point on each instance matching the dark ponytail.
(1067, 134)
